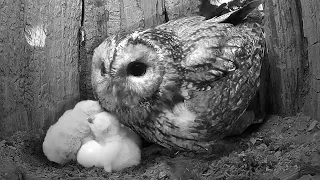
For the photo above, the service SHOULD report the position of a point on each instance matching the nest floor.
(279, 149)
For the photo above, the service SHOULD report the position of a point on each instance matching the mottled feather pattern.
(231, 94)
(196, 77)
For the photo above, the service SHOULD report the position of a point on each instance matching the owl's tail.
(234, 17)
(238, 16)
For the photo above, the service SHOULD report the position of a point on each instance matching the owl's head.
(134, 74)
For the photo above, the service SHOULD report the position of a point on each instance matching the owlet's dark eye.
(137, 68)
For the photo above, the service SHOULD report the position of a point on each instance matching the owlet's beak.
(90, 120)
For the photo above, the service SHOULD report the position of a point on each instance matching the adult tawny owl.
(183, 84)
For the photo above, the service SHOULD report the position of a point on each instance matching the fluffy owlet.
(183, 84)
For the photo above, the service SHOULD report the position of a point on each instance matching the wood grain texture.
(310, 11)
(103, 18)
(288, 63)
(181, 8)
(39, 77)
(292, 32)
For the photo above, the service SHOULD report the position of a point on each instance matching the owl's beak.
(90, 120)
(114, 91)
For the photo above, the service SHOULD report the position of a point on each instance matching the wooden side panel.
(38, 62)
(311, 28)
(288, 63)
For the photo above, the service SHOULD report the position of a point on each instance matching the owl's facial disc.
(137, 74)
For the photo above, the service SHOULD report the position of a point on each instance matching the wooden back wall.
(46, 49)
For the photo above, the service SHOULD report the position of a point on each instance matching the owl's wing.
(236, 17)
(219, 46)
(211, 9)
(215, 50)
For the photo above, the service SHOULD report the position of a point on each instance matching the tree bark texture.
(38, 62)
(103, 18)
(292, 34)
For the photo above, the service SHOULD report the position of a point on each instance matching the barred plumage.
(183, 84)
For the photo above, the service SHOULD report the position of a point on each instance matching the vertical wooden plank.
(153, 12)
(38, 62)
(181, 8)
(287, 56)
(311, 28)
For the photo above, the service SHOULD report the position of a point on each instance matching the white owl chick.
(90, 154)
(89, 107)
(119, 145)
(65, 137)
